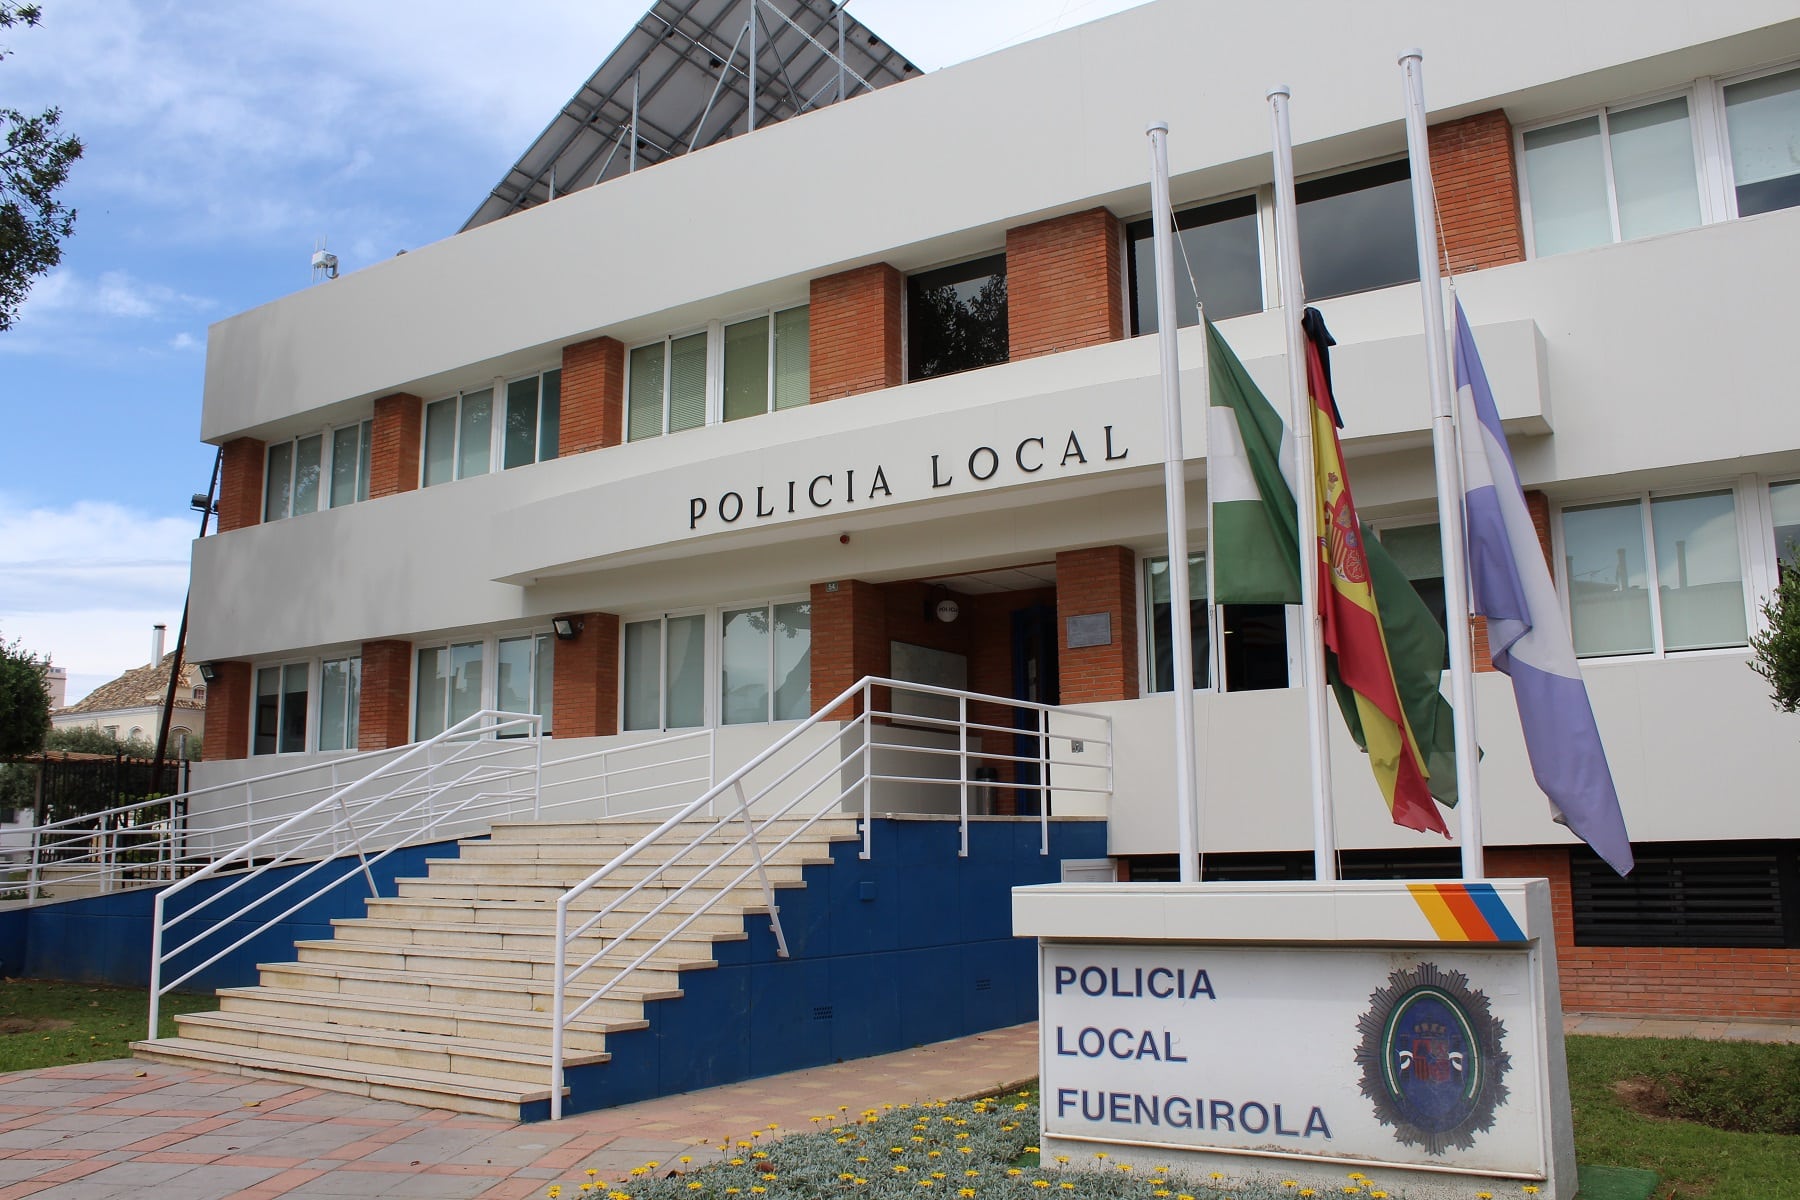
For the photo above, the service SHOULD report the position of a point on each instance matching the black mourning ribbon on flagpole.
(1312, 323)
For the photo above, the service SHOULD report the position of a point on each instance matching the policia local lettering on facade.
(1029, 456)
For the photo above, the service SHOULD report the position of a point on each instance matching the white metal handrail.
(854, 770)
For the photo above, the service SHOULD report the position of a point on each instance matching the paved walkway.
(132, 1129)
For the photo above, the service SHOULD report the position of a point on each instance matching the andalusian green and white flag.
(1256, 556)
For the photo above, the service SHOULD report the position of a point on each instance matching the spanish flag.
(1350, 616)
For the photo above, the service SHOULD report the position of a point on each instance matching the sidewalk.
(132, 1129)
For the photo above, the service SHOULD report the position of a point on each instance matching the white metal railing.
(486, 768)
(852, 763)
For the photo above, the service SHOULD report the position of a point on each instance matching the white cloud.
(84, 584)
(111, 294)
(185, 341)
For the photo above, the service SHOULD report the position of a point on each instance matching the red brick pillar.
(395, 445)
(384, 720)
(1477, 188)
(585, 700)
(227, 712)
(241, 486)
(1064, 284)
(593, 398)
(849, 640)
(1102, 579)
(855, 333)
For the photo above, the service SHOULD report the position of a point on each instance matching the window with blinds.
(1742, 894)
(761, 365)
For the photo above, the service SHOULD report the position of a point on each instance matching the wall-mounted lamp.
(941, 605)
(201, 502)
(208, 672)
(565, 628)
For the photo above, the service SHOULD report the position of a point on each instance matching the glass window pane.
(293, 708)
(278, 481)
(685, 705)
(432, 692)
(475, 434)
(643, 675)
(793, 379)
(543, 686)
(747, 368)
(550, 416)
(1784, 501)
(308, 459)
(1699, 576)
(956, 318)
(362, 469)
(645, 400)
(1653, 168)
(1356, 231)
(744, 666)
(1161, 635)
(465, 681)
(793, 661)
(1565, 176)
(353, 701)
(1220, 242)
(440, 441)
(1763, 119)
(521, 423)
(267, 721)
(334, 704)
(687, 382)
(346, 460)
(513, 690)
(1609, 597)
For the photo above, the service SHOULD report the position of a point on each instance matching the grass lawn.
(44, 1024)
(1694, 1160)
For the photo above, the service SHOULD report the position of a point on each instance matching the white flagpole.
(1449, 471)
(1305, 489)
(1175, 498)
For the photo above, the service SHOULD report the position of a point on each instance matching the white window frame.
(1721, 131)
(1215, 629)
(709, 707)
(315, 665)
(715, 367)
(1750, 536)
(489, 642)
(496, 458)
(503, 392)
(715, 645)
(316, 699)
(327, 453)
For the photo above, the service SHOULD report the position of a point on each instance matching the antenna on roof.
(324, 262)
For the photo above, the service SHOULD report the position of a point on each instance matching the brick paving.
(133, 1129)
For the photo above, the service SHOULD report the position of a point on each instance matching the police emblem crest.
(1431, 1060)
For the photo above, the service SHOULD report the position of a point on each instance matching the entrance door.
(1035, 679)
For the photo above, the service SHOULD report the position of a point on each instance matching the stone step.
(662, 970)
(565, 874)
(624, 831)
(523, 1028)
(381, 1048)
(549, 893)
(428, 1089)
(538, 937)
(525, 995)
(531, 917)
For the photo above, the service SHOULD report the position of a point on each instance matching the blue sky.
(223, 139)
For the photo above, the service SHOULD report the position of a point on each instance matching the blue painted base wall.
(106, 939)
(913, 946)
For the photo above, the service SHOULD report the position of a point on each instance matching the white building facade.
(751, 417)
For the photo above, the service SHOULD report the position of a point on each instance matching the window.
(766, 364)
(279, 725)
(524, 676)
(1220, 243)
(1687, 544)
(340, 702)
(1418, 551)
(1254, 650)
(765, 663)
(956, 318)
(330, 468)
(666, 388)
(1700, 894)
(463, 439)
(1762, 121)
(448, 683)
(665, 673)
(1784, 508)
(1356, 230)
(1615, 174)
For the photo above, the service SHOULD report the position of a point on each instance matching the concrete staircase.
(441, 995)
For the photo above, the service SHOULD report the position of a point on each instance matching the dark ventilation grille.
(1744, 894)
(983, 985)
(822, 1013)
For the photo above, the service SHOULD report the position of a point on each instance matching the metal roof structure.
(683, 78)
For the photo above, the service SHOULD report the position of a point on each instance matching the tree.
(24, 701)
(34, 164)
(1777, 647)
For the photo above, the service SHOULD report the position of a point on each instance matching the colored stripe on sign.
(1466, 912)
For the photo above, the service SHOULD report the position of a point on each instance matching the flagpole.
(1305, 489)
(1449, 471)
(1175, 500)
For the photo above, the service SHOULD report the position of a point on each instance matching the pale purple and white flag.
(1527, 637)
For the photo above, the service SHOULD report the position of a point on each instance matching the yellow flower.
(769, 1175)
(939, 1175)
(1066, 1186)
(1040, 1183)
(1099, 1154)
(1484, 1196)
(731, 1191)
(652, 1165)
(966, 1193)
(737, 1162)
(860, 1181)
(695, 1187)
(1357, 1175)
(1160, 1192)
(1008, 1128)
(1062, 1158)
(1379, 1195)
(554, 1191)
(1021, 1107)
(1296, 1183)
(1124, 1166)
(1218, 1175)
(927, 1183)
(758, 1154)
(591, 1172)
(1307, 1192)
(973, 1174)
(862, 1158)
(1014, 1171)
(934, 1154)
(1530, 1189)
(901, 1168)
(758, 1189)
(1031, 1149)
(896, 1149)
(1353, 1189)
